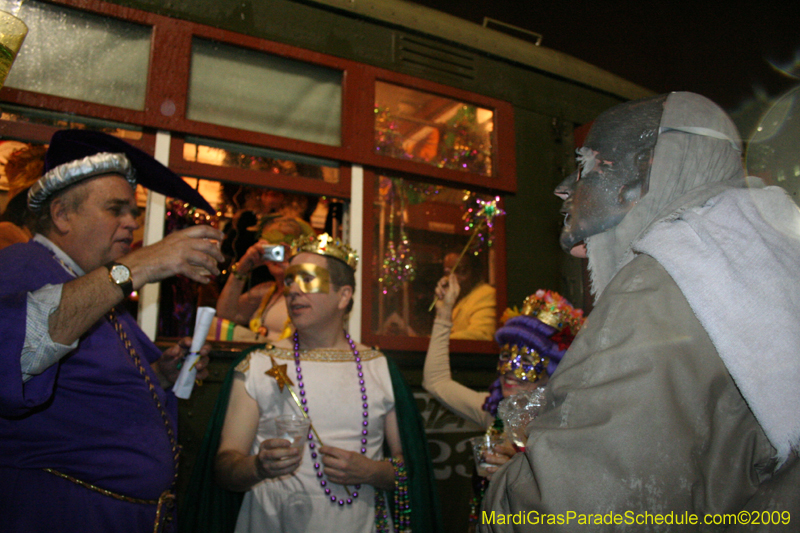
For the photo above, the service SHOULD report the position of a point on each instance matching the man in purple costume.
(87, 426)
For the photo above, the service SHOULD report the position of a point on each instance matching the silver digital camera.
(273, 252)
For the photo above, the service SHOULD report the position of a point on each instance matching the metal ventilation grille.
(429, 56)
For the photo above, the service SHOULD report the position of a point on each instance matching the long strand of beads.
(381, 513)
(365, 422)
(402, 507)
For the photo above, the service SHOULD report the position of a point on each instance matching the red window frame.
(168, 83)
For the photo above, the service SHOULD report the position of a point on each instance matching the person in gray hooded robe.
(679, 396)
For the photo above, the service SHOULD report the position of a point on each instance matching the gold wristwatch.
(120, 275)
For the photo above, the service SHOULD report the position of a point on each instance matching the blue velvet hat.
(76, 155)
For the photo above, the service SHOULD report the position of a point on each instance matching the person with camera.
(258, 312)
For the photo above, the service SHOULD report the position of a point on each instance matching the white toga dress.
(297, 502)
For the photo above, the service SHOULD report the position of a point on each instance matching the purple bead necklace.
(365, 423)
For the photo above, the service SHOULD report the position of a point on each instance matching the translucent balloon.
(773, 152)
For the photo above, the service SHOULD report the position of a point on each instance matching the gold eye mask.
(310, 278)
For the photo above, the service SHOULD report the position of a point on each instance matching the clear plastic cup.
(293, 428)
(481, 446)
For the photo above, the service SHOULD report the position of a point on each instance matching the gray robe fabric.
(643, 416)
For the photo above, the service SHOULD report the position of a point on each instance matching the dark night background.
(722, 50)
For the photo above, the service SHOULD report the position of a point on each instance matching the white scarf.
(737, 261)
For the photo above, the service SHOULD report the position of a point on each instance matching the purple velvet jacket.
(90, 416)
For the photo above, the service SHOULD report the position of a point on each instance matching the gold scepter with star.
(486, 213)
(282, 378)
(279, 373)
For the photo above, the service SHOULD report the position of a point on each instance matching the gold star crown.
(324, 244)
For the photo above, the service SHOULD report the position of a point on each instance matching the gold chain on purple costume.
(168, 496)
(176, 451)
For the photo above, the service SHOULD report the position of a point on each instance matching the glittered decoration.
(390, 267)
(405, 255)
(325, 244)
(179, 294)
(466, 146)
(554, 310)
(461, 143)
(418, 192)
(508, 314)
(534, 339)
(523, 361)
(478, 217)
(182, 215)
(388, 139)
(260, 163)
(399, 265)
(279, 373)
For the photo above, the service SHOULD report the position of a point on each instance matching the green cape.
(208, 508)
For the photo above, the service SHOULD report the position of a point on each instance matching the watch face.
(120, 273)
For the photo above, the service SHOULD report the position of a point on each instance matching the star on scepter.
(278, 372)
(486, 214)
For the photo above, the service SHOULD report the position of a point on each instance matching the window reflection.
(85, 56)
(432, 129)
(27, 115)
(252, 158)
(21, 165)
(252, 90)
(420, 231)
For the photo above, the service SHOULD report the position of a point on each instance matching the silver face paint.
(613, 170)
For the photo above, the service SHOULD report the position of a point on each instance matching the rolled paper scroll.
(185, 382)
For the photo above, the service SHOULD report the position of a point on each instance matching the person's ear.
(630, 193)
(345, 295)
(60, 215)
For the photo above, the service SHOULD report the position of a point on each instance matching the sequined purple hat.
(76, 155)
(533, 342)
